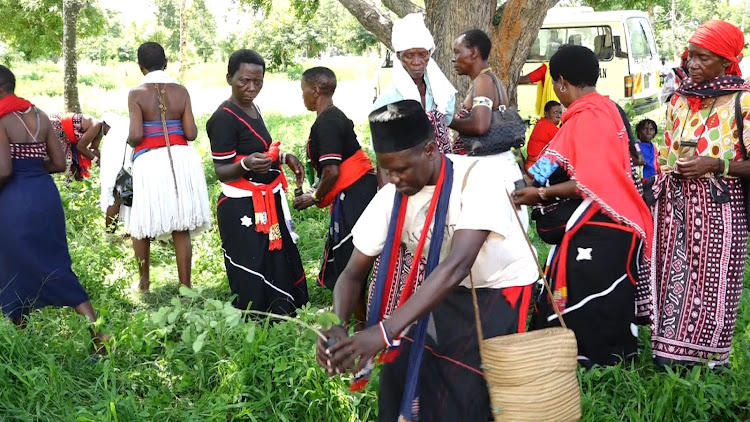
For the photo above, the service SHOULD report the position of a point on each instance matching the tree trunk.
(448, 18)
(372, 18)
(512, 39)
(673, 27)
(401, 7)
(71, 9)
(183, 40)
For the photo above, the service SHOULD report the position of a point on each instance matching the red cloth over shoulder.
(538, 74)
(11, 103)
(592, 147)
(543, 132)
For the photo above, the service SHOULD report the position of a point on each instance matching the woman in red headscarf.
(700, 239)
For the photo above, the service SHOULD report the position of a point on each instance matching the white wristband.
(242, 164)
(283, 158)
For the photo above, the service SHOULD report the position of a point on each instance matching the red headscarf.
(600, 164)
(723, 39)
(684, 55)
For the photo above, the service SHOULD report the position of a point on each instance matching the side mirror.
(618, 48)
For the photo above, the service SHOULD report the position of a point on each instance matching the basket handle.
(533, 253)
(538, 265)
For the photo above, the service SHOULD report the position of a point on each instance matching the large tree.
(71, 9)
(513, 26)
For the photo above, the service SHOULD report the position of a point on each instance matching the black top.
(229, 130)
(332, 139)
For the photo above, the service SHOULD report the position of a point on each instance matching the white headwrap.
(411, 32)
(157, 77)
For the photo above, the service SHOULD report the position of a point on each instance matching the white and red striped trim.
(330, 157)
(224, 155)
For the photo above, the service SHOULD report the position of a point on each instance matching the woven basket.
(531, 376)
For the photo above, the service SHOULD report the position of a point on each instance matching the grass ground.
(192, 358)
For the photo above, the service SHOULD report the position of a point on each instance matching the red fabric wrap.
(601, 167)
(723, 39)
(684, 55)
(84, 163)
(264, 205)
(544, 131)
(11, 103)
(350, 170)
(152, 142)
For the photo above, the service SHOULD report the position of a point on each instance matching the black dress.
(262, 279)
(332, 141)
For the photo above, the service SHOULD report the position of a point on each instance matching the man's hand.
(299, 170)
(355, 352)
(696, 167)
(258, 162)
(335, 335)
(303, 201)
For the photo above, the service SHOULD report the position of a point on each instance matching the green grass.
(254, 371)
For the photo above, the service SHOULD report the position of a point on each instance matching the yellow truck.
(623, 41)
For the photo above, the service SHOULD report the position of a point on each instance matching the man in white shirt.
(481, 238)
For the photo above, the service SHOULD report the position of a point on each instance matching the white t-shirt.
(503, 261)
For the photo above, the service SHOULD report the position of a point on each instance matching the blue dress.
(35, 265)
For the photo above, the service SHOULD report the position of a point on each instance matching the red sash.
(84, 163)
(153, 142)
(264, 205)
(350, 170)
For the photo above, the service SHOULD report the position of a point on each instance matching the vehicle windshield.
(549, 40)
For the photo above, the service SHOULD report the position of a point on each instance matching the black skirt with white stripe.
(263, 280)
(602, 269)
(345, 212)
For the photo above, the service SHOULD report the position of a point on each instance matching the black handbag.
(552, 219)
(123, 189)
(740, 129)
(507, 131)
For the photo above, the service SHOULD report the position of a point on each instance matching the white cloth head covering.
(411, 32)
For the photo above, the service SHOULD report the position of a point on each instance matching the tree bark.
(183, 40)
(372, 18)
(401, 7)
(513, 37)
(71, 10)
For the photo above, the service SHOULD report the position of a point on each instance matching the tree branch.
(402, 7)
(371, 18)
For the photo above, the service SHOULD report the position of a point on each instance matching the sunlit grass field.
(191, 358)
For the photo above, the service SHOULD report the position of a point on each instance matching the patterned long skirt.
(698, 257)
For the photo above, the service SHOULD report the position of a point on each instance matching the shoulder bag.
(507, 131)
(531, 376)
(123, 190)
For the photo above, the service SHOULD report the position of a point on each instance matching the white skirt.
(158, 210)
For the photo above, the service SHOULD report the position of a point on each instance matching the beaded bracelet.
(242, 164)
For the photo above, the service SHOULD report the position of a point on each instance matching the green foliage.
(35, 27)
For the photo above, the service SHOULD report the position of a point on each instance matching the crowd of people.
(640, 233)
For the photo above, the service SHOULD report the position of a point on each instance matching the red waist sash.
(84, 163)
(350, 170)
(153, 142)
(264, 205)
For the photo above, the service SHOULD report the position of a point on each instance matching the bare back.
(143, 105)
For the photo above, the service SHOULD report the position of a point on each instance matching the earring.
(562, 88)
